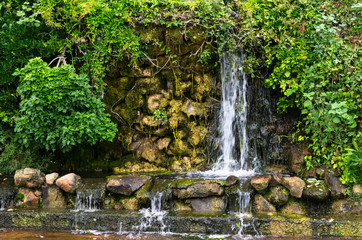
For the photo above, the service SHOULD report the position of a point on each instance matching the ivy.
(58, 109)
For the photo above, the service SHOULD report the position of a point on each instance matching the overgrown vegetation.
(309, 50)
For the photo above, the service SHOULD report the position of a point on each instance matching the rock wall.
(163, 105)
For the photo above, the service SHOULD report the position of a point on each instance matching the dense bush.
(58, 109)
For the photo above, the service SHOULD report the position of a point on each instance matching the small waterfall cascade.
(154, 216)
(243, 201)
(233, 140)
(90, 195)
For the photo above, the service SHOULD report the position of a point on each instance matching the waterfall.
(153, 216)
(233, 140)
(90, 195)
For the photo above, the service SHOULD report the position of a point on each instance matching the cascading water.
(234, 149)
(90, 195)
(153, 216)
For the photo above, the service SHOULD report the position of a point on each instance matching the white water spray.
(153, 216)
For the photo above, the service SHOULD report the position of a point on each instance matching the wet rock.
(27, 197)
(294, 208)
(295, 186)
(163, 143)
(130, 203)
(150, 121)
(194, 109)
(31, 199)
(126, 185)
(203, 87)
(261, 205)
(68, 183)
(161, 132)
(346, 207)
(338, 190)
(147, 150)
(154, 102)
(198, 134)
(199, 189)
(181, 165)
(295, 159)
(278, 195)
(316, 191)
(231, 180)
(275, 180)
(357, 189)
(28, 177)
(181, 207)
(276, 169)
(53, 197)
(260, 182)
(210, 204)
(50, 178)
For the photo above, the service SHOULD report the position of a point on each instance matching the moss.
(294, 228)
(184, 183)
(27, 221)
(346, 229)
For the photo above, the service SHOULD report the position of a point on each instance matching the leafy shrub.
(58, 109)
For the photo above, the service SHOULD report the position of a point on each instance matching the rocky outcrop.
(126, 185)
(68, 183)
(295, 185)
(338, 190)
(261, 205)
(199, 189)
(260, 182)
(316, 191)
(278, 195)
(28, 177)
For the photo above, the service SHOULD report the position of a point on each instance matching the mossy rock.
(278, 195)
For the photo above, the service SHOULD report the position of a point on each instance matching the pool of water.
(9, 234)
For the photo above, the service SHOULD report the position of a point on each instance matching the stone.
(53, 197)
(161, 131)
(231, 180)
(316, 190)
(31, 199)
(181, 165)
(181, 207)
(357, 189)
(68, 183)
(197, 135)
(338, 190)
(294, 208)
(344, 206)
(50, 178)
(261, 205)
(126, 185)
(260, 182)
(194, 109)
(199, 189)
(210, 204)
(276, 179)
(130, 203)
(163, 143)
(28, 177)
(154, 102)
(320, 172)
(150, 121)
(295, 159)
(179, 147)
(278, 195)
(147, 150)
(295, 186)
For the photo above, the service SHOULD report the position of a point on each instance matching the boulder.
(295, 185)
(294, 208)
(209, 204)
(276, 179)
(346, 207)
(163, 143)
(28, 177)
(231, 180)
(278, 195)
(316, 191)
(126, 185)
(68, 183)
(338, 190)
(194, 109)
(50, 178)
(261, 205)
(295, 159)
(154, 102)
(200, 189)
(260, 182)
(53, 197)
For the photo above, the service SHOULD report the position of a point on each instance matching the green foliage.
(58, 109)
(160, 115)
(312, 51)
(351, 165)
